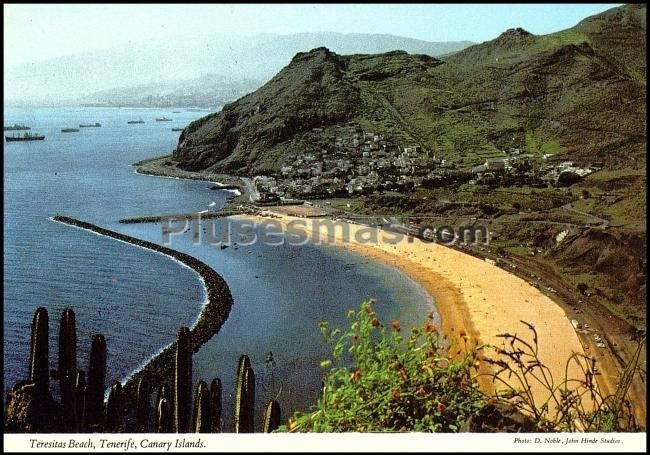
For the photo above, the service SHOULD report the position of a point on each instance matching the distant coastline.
(213, 314)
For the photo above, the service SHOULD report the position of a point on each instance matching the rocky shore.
(214, 313)
(165, 166)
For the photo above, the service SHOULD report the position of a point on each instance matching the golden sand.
(472, 296)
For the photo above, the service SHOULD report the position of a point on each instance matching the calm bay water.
(138, 298)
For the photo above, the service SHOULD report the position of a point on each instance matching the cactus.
(215, 406)
(183, 381)
(68, 366)
(142, 406)
(202, 415)
(80, 401)
(164, 416)
(39, 351)
(271, 417)
(250, 397)
(164, 391)
(114, 408)
(245, 397)
(95, 383)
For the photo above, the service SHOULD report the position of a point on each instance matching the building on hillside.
(497, 164)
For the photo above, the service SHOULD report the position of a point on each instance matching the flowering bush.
(380, 380)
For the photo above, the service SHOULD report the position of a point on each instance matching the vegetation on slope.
(580, 91)
(379, 380)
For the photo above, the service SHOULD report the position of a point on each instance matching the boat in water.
(69, 130)
(131, 122)
(163, 119)
(16, 127)
(176, 112)
(90, 125)
(26, 137)
(177, 129)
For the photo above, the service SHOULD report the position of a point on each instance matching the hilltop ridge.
(566, 90)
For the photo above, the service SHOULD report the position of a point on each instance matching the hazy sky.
(37, 32)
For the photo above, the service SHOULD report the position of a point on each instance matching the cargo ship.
(26, 137)
(69, 130)
(131, 122)
(16, 127)
(90, 125)
(177, 129)
(163, 119)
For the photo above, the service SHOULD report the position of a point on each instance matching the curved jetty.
(214, 313)
(185, 216)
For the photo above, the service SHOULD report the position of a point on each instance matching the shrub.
(572, 404)
(582, 288)
(378, 380)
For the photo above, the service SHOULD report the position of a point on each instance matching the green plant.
(80, 400)
(114, 408)
(272, 417)
(201, 418)
(142, 406)
(244, 396)
(215, 405)
(378, 380)
(94, 401)
(38, 363)
(164, 417)
(164, 391)
(570, 403)
(183, 381)
(68, 366)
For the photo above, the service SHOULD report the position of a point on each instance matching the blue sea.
(138, 298)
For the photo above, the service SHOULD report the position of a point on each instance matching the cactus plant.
(142, 406)
(80, 401)
(202, 414)
(114, 408)
(164, 391)
(68, 366)
(164, 416)
(250, 397)
(95, 383)
(39, 350)
(244, 396)
(272, 417)
(183, 381)
(215, 406)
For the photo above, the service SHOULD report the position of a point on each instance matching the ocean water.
(138, 298)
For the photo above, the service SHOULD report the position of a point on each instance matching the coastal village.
(355, 162)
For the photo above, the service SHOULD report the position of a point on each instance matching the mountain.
(256, 57)
(579, 93)
(210, 91)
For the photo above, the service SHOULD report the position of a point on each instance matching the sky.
(35, 32)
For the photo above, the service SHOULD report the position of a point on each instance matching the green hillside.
(580, 92)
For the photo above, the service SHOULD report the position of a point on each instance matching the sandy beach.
(473, 297)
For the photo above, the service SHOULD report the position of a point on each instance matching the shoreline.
(215, 310)
(456, 312)
(476, 300)
(158, 167)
